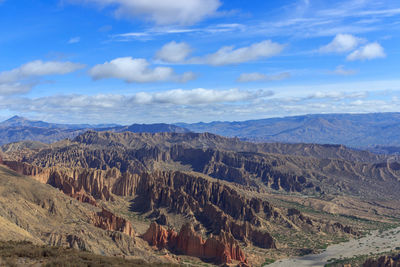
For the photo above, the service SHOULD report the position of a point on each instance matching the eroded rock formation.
(108, 221)
(220, 249)
(217, 206)
(300, 168)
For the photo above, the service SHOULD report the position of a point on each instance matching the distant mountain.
(18, 121)
(377, 132)
(31, 133)
(394, 150)
(354, 130)
(18, 129)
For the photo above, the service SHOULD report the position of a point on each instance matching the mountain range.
(20, 129)
(354, 130)
(377, 132)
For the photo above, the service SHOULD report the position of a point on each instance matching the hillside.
(25, 253)
(42, 215)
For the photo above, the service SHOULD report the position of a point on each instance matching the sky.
(148, 61)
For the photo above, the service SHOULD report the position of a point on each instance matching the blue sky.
(144, 61)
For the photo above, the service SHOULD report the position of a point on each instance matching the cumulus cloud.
(367, 52)
(342, 43)
(38, 68)
(174, 52)
(161, 12)
(256, 76)
(136, 70)
(340, 70)
(22, 79)
(228, 55)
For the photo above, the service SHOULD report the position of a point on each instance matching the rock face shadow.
(140, 203)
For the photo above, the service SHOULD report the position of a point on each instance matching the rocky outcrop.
(76, 242)
(338, 227)
(219, 207)
(220, 249)
(84, 186)
(384, 261)
(59, 178)
(108, 221)
(215, 219)
(182, 192)
(162, 219)
(177, 191)
(136, 153)
(158, 236)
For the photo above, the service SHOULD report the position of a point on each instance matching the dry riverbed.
(376, 242)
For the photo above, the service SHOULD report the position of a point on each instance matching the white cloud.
(172, 103)
(20, 80)
(367, 52)
(38, 68)
(178, 53)
(203, 104)
(14, 88)
(337, 95)
(74, 40)
(151, 33)
(340, 70)
(187, 76)
(256, 76)
(251, 77)
(197, 96)
(174, 52)
(162, 12)
(341, 43)
(228, 55)
(136, 70)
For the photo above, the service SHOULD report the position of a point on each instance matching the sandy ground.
(374, 243)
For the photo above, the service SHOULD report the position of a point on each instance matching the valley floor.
(374, 243)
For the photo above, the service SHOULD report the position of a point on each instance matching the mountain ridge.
(377, 132)
(18, 128)
(353, 130)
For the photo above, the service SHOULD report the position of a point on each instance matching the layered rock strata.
(219, 249)
(218, 207)
(108, 221)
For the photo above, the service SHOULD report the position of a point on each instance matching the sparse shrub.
(268, 261)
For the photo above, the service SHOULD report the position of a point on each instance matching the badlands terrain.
(192, 198)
